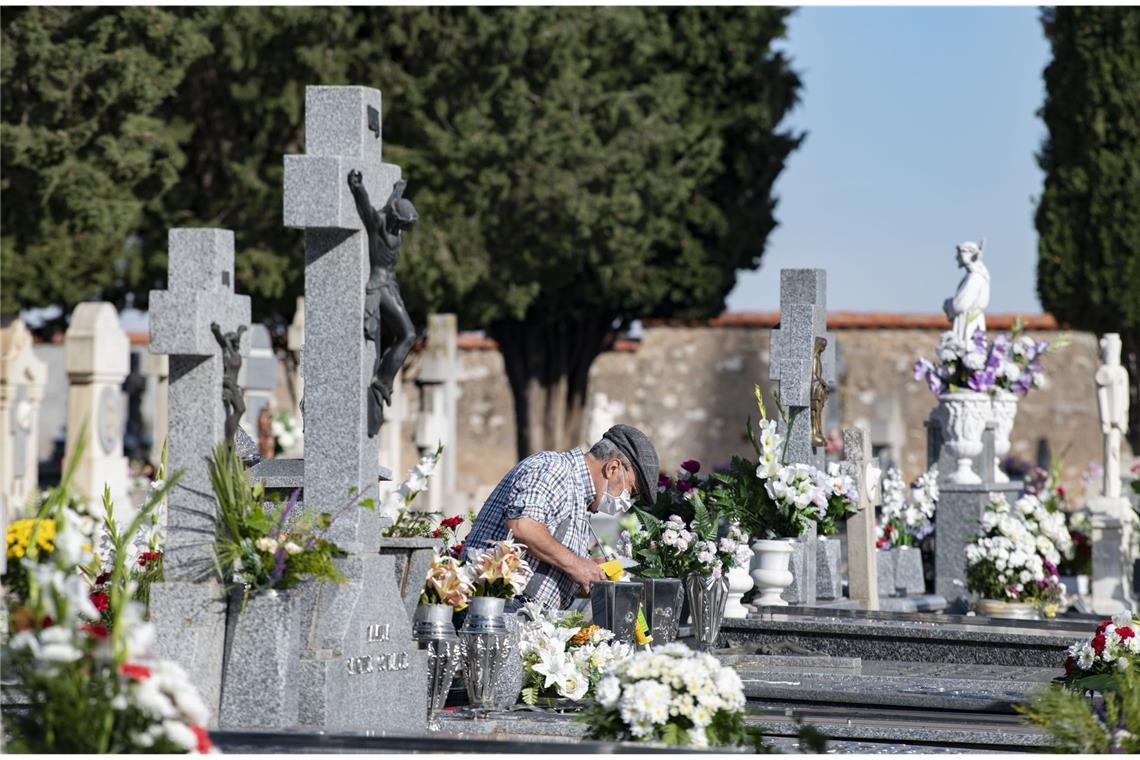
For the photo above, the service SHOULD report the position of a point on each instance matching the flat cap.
(638, 449)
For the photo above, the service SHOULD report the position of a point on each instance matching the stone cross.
(803, 318)
(258, 377)
(189, 606)
(359, 668)
(22, 381)
(97, 356)
(339, 454)
(862, 557)
(439, 397)
(200, 290)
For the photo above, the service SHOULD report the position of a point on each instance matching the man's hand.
(584, 572)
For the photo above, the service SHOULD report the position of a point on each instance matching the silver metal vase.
(435, 633)
(614, 605)
(663, 600)
(707, 598)
(487, 648)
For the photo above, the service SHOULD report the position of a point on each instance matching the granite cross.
(342, 134)
(200, 290)
(803, 318)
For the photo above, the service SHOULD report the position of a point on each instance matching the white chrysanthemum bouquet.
(674, 696)
(565, 656)
(904, 522)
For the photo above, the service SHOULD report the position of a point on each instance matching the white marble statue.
(1112, 400)
(967, 308)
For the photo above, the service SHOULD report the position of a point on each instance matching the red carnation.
(436, 533)
(47, 622)
(95, 630)
(1061, 491)
(1125, 632)
(100, 600)
(691, 465)
(880, 543)
(1069, 664)
(134, 672)
(452, 522)
(456, 550)
(103, 578)
(204, 743)
(1098, 643)
(1100, 628)
(146, 557)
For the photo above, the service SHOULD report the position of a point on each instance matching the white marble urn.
(964, 415)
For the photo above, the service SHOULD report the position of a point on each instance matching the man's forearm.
(540, 543)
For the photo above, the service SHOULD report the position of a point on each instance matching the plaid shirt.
(550, 487)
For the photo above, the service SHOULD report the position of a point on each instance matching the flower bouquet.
(286, 431)
(396, 504)
(261, 548)
(88, 675)
(1009, 362)
(1093, 665)
(447, 583)
(673, 696)
(675, 492)
(564, 656)
(1014, 559)
(904, 523)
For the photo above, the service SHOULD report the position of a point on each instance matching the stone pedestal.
(803, 566)
(97, 356)
(1112, 558)
(960, 508)
(886, 574)
(909, 579)
(190, 619)
(412, 558)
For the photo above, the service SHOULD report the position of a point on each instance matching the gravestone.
(862, 557)
(803, 318)
(189, 607)
(22, 381)
(360, 670)
(156, 369)
(439, 398)
(97, 357)
(258, 377)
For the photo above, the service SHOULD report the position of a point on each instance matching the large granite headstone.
(189, 606)
(803, 318)
(97, 356)
(359, 669)
(22, 381)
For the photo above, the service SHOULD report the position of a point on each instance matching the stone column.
(22, 381)
(862, 556)
(97, 356)
(156, 367)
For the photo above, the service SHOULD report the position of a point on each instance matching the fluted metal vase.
(487, 648)
(707, 599)
(434, 632)
(614, 605)
(664, 598)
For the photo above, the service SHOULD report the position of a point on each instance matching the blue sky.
(922, 131)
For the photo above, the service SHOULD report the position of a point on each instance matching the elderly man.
(546, 501)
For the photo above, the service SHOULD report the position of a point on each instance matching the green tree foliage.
(1088, 219)
(83, 148)
(573, 167)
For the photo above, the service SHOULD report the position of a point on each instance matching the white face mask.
(614, 505)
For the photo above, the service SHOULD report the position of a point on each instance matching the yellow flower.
(583, 636)
(20, 533)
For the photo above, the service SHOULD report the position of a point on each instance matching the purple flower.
(691, 465)
(1041, 348)
(934, 382)
(684, 486)
(663, 481)
(982, 381)
(922, 368)
(1022, 384)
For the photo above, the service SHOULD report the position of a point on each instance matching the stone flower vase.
(963, 416)
(739, 583)
(1004, 410)
(707, 598)
(664, 598)
(909, 576)
(770, 570)
(264, 637)
(995, 608)
(434, 632)
(488, 648)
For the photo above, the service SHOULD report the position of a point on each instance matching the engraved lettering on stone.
(379, 632)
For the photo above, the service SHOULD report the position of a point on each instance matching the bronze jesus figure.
(383, 305)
